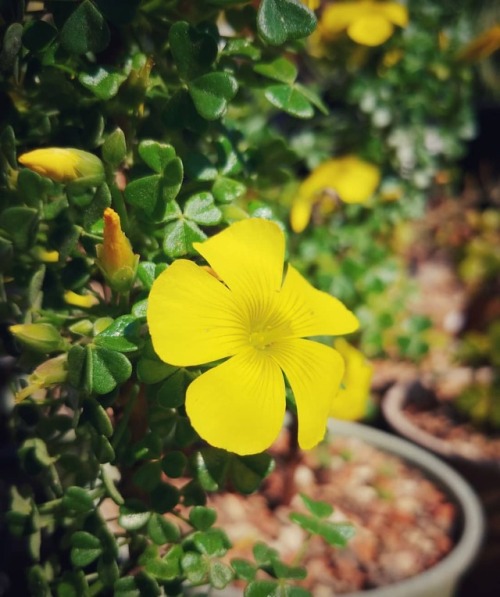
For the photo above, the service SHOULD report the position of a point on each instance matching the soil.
(404, 523)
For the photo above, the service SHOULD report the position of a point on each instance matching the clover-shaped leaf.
(193, 50)
(105, 369)
(279, 21)
(85, 30)
(290, 100)
(85, 548)
(103, 82)
(280, 69)
(156, 155)
(122, 335)
(211, 93)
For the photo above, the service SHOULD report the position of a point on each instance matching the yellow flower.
(115, 257)
(366, 22)
(64, 164)
(350, 403)
(84, 301)
(353, 179)
(258, 317)
(482, 46)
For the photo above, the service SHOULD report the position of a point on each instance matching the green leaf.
(33, 187)
(140, 309)
(20, 225)
(213, 542)
(280, 69)
(150, 369)
(100, 201)
(164, 497)
(174, 464)
(108, 571)
(264, 554)
(227, 190)
(247, 472)
(77, 356)
(263, 588)
(11, 45)
(106, 369)
(85, 548)
(211, 465)
(114, 148)
(244, 569)
(241, 47)
(97, 416)
(195, 567)
(85, 30)
(219, 574)
(38, 35)
(156, 155)
(199, 167)
(162, 531)
(290, 100)
(147, 477)
(103, 82)
(103, 450)
(279, 21)
(77, 499)
(133, 515)
(281, 570)
(122, 335)
(200, 208)
(153, 193)
(194, 51)
(179, 238)
(318, 508)
(336, 534)
(172, 392)
(202, 518)
(312, 97)
(211, 94)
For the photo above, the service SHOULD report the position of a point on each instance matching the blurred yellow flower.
(366, 22)
(115, 257)
(351, 178)
(258, 317)
(84, 301)
(64, 164)
(350, 402)
(482, 46)
(312, 4)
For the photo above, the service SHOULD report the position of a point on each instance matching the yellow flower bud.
(78, 300)
(42, 337)
(115, 257)
(46, 256)
(51, 372)
(64, 164)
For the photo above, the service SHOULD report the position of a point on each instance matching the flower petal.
(354, 179)
(239, 406)
(395, 12)
(312, 312)
(370, 30)
(248, 256)
(338, 16)
(192, 318)
(314, 372)
(300, 213)
(350, 403)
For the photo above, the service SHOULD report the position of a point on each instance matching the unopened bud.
(115, 257)
(64, 164)
(42, 337)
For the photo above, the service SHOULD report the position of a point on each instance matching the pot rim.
(392, 408)
(461, 557)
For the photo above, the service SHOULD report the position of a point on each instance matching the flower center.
(259, 340)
